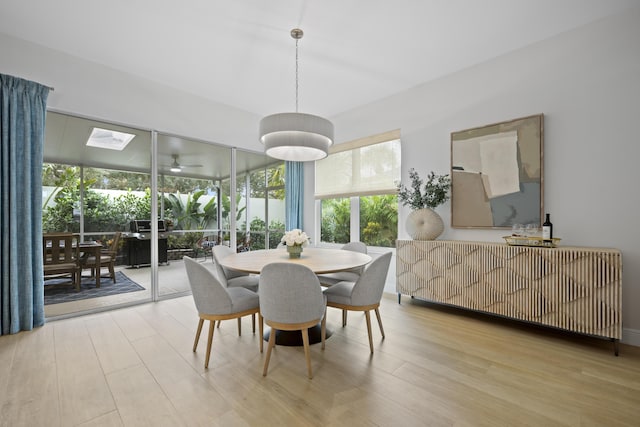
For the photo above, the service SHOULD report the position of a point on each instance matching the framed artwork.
(496, 174)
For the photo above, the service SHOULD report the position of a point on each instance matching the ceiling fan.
(177, 167)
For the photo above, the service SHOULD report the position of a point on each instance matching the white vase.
(424, 224)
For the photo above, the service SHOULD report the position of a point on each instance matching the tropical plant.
(434, 193)
(379, 220)
(336, 217)
(190, 215)
(258, 232)
(226, 208)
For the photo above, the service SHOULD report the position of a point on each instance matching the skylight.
(109, 139)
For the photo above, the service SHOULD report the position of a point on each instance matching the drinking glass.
(532, 230)
(517, 230)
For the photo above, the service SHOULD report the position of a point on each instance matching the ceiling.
(65, 143)
(240, 53)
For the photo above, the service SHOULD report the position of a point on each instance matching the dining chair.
(329, 279)
(232, 278)
(61, 257)
(107, 258)
(291, 299)
(362, 295)
(215, 302)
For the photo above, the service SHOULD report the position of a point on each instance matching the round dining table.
(319, 260)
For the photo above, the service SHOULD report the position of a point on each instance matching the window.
(356, 191)
(261, 194)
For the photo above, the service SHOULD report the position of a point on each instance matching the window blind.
(363, 167)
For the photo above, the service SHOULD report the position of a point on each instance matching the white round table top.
(319, 260)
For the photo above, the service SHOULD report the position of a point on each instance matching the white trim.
(631, 337)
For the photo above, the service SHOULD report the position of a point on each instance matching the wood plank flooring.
(438, 366)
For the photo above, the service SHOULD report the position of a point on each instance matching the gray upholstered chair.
(215, 302)
(231, 278)
(351, 275)
(290, 300)
(363, 294)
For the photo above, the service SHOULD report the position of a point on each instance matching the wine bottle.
(547, 229)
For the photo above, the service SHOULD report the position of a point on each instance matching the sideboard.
(578, 289)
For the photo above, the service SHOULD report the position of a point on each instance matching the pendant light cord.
(297, 40)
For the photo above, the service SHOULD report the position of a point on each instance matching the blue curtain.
(23, 107)
(294, 194)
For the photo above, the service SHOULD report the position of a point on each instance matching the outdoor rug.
(56, 291)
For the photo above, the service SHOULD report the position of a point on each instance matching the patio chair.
(61, 257)
(107, 259)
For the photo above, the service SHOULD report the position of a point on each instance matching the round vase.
(294, 251)
(424, 224)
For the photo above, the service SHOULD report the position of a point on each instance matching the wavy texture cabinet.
(577, 289)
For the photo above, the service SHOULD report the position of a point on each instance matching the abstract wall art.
(496, 174)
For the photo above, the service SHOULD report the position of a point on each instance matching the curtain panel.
(22, 119)
(294, 194)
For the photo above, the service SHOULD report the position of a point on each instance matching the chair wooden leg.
(195, 342)
(380, 322)
(368, 317)
(239, 326)
(344, 318)
(112, 273)
(261, 329)
(307, 353)
(209, 341)
(272, 342)
(219, 322)
(253, 322)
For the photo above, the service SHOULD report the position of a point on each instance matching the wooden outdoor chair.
(107, 258)
(61, 257)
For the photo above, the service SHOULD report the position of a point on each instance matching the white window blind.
(362, 167)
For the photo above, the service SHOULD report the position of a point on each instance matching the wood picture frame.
(497, 174)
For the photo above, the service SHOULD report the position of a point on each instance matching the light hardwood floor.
(437, 366)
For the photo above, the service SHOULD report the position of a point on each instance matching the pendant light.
(297, 137)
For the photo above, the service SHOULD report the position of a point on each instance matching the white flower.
(295, 237)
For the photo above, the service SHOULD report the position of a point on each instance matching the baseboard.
(631, 337)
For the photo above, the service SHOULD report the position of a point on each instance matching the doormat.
(56, 291)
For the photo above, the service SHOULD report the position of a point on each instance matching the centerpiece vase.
(294, 251)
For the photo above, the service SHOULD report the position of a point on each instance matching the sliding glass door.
(191, 177)
(104, 190)
(96, 179)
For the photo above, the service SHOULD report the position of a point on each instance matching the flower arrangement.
(436, 191)
(295, 237)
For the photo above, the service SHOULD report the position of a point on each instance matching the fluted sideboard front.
(578, 289)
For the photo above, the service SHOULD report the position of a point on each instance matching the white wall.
(587, 84)
(91, 90)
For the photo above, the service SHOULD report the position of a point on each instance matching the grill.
(144, 226)
(138, 243)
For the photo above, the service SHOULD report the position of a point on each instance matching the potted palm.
(423, 223)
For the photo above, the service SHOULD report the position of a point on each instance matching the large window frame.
(357, 178)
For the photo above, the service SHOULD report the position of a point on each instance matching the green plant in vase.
(423, 223)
